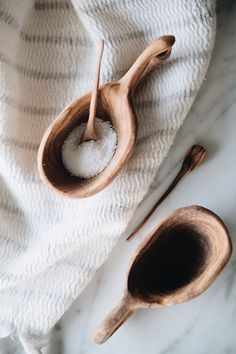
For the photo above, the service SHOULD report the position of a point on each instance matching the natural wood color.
(193, 158)
(114, 104)
(90, 131)
(115, 319)
(205, 249)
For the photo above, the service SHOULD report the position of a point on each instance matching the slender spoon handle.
(155, 54)
(90, 132)
(193, 158)
(113, 321)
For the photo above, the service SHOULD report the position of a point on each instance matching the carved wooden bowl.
(176, 262)
(114, 104)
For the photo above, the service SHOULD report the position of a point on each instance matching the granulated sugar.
(88, 159)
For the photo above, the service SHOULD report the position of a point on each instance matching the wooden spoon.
(114, 104)
(176, 262)
(90, 131)
(193, 158)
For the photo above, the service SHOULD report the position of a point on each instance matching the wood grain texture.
(176, 262)
(114, 103)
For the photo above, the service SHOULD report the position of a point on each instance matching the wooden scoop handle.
(156, 53)
(113, 321)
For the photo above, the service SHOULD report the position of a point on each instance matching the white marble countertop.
(207, 324)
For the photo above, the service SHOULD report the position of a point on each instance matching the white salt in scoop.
(88, 159)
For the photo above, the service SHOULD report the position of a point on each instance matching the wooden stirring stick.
(90, 131)
(193, 158)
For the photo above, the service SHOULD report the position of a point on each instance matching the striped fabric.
(50, 247)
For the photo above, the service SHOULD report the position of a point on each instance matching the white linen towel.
(50, 246)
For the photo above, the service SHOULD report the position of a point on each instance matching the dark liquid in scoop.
(175, 258)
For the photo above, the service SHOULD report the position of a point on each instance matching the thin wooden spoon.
(90, 131)
(193, 158)
(177, 261)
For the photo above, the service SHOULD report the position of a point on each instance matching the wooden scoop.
(176, 262)
(114, 103)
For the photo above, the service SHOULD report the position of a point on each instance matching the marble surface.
(207, 324)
